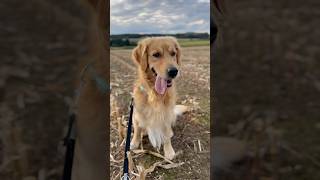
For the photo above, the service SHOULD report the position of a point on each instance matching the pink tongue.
(160, 85)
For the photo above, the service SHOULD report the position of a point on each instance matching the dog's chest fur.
(156, 115)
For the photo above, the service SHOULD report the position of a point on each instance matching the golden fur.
(155, 113)
(90, 160)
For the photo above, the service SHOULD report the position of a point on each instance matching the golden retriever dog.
(158, 61)
(90, 159)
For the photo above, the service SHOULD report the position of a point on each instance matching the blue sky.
(159, 16)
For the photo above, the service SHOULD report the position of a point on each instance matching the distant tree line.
(126, 39)
(118, 42)
(178, 35)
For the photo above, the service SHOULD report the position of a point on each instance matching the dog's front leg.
(168, 149)
(136, 135)
(167, 146)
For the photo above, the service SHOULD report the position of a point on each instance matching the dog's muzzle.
(169, 81)
(172, 72)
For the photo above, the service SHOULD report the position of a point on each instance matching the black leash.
(69, 142)
(127, 147)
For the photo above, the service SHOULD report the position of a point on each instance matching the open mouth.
(169, 81)
(154, 72)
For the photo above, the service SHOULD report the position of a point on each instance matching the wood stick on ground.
(138, 151)
(114, 160)
(199, 144)
(121, 130)
(170, 166)
(143, 172)
(131, 163)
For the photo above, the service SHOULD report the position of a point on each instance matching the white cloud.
(152, 16)
(204, 1)
(115, 2)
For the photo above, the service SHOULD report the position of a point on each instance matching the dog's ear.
(140, 55)
(178, 54)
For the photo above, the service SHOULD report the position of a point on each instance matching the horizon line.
(161, 33)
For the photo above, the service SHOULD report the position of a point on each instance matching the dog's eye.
(156, 55)
(173, 53)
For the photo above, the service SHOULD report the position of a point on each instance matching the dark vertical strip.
(107, 35)
(213, 32)
(214, 4)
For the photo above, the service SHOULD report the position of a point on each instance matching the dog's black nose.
(172, 72)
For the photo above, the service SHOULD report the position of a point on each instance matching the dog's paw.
(169, 153)
(134, 145)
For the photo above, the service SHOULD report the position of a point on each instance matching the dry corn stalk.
(138, 151)
(143, 172)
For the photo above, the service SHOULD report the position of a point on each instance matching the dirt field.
(193, 90)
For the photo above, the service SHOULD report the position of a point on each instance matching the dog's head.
(160, 59)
